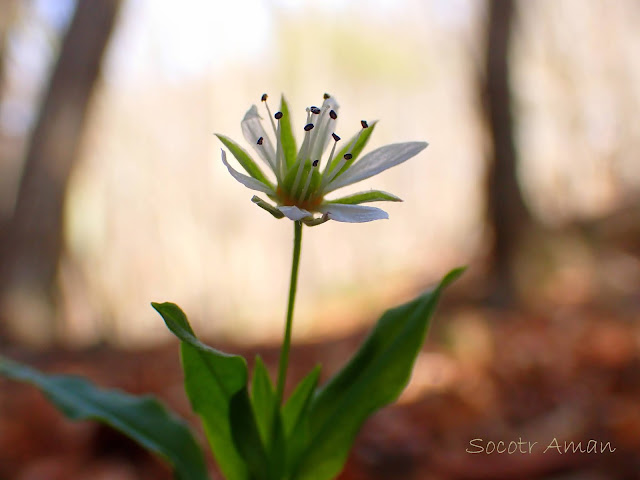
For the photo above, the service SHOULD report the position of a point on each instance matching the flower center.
(299, 181)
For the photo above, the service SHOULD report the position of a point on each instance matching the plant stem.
(286, 343)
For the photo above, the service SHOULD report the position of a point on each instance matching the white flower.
(302, 179)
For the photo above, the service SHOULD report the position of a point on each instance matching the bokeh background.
(113, 195)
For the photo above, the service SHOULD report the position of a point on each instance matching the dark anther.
(260, 140)
(264, 97)
(364, 124)
(348, 156)
(335, 137)
(278, 115)
(308, 127)
(315, 110)
(333, 114)
(315, 163)
(326, 95)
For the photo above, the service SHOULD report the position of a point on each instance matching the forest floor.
(484, 375)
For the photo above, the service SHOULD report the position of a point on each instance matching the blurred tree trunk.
(507, 214)
(31, 243)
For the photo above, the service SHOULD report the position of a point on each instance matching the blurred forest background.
(113, 195)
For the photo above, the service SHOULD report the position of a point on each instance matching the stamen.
(341, 163)
(278, 115)
(304, 149)
(308, 181)
(308, 127)
(333, 114)
(296, 181)
(279, 171)
(260, 141)
(325, 172)
(315, 110)
(273, 124)
(264, 97)
(355, 141)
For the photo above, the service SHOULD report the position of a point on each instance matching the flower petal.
(246, 180)
(353, 213)
(377, 161)
(244, 160)
(324, 127)
(293, 212)
(369, 196)
(252, 130)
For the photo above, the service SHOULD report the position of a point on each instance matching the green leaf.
(212, 379)
(295, 418)
(245, 160)
(143, 419)
(267, 413)
(246, 436)
(374, 377)
(297, 404)
(370, 196)
(263, 399)
(360, 142)
(286, 134)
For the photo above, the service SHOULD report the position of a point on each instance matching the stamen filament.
(335, 171)
(328, 165)
(304, 150)
(279, 170)
(273, 124)
(296, 181)
(308, 181)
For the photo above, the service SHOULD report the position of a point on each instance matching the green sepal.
(373, 378)
(212, 380)
(363, 197)
(143, 419)
(360, 143)
(286, 134)
(245, 160)
(267, 206)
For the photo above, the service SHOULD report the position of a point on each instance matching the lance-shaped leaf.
(374, 377)
(295, 418)
(143, 419)
(212, 378)
(246, 436)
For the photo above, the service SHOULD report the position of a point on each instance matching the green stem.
(286, 344)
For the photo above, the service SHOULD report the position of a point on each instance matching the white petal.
(246, 180)
(293, 212)
(377, 161)
(341, 212)
(324, 126)
(252, 130)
